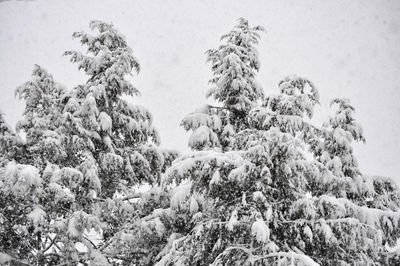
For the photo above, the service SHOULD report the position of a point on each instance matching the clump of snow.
(268, 214)
(159, 227)
(194, 206)
(182, 166)
(308, 195)
(171, 242)
(61, 193)
(258, 196)
(105, 122)
(111, 161)
(126, 207)
(228, 130)
(307, 231)
(73, 230)
(199, 231)
(326, 231)
(81, 221)
(305, 207)
(22, 180)
(216, 178)
(179, 195)
(5, 258)
(38, 218)
(271, 246)
(67, 176)
(232, 221)
(89, 171)
(238, 173)
(201, 118)
(203, 137)
(260, 230)
(98, 259)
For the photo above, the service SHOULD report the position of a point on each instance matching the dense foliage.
(85, 149)
(262, 184)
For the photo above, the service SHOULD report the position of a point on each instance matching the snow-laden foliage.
(287, 110)
(118, 135)
(239, 195)
(42, 118)
(338, 134)
(10, 143)
(66, 190)
(42, 217)
(281, 191)
(21, 180)
(269, 201)
(234, 65)
(235, 90)
(262, 184)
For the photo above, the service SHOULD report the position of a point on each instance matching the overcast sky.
(347, 48)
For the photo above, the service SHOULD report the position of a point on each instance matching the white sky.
(347, 48)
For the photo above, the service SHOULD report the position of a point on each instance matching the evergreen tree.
(42, 194)
(236, 91)
(261, 186)
(234, 65)
(269, 202)
(274, 197)
(86, 152)
(243, 195)
(113, 134)
(116, 134)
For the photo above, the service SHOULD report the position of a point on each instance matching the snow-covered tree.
(262, 185)
(271, 198)
(44, 199)
(269, 201)
(106, 127)
(111, 133)
(235, 90)
(86, 152)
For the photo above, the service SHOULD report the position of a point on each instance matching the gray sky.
(347, 48)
